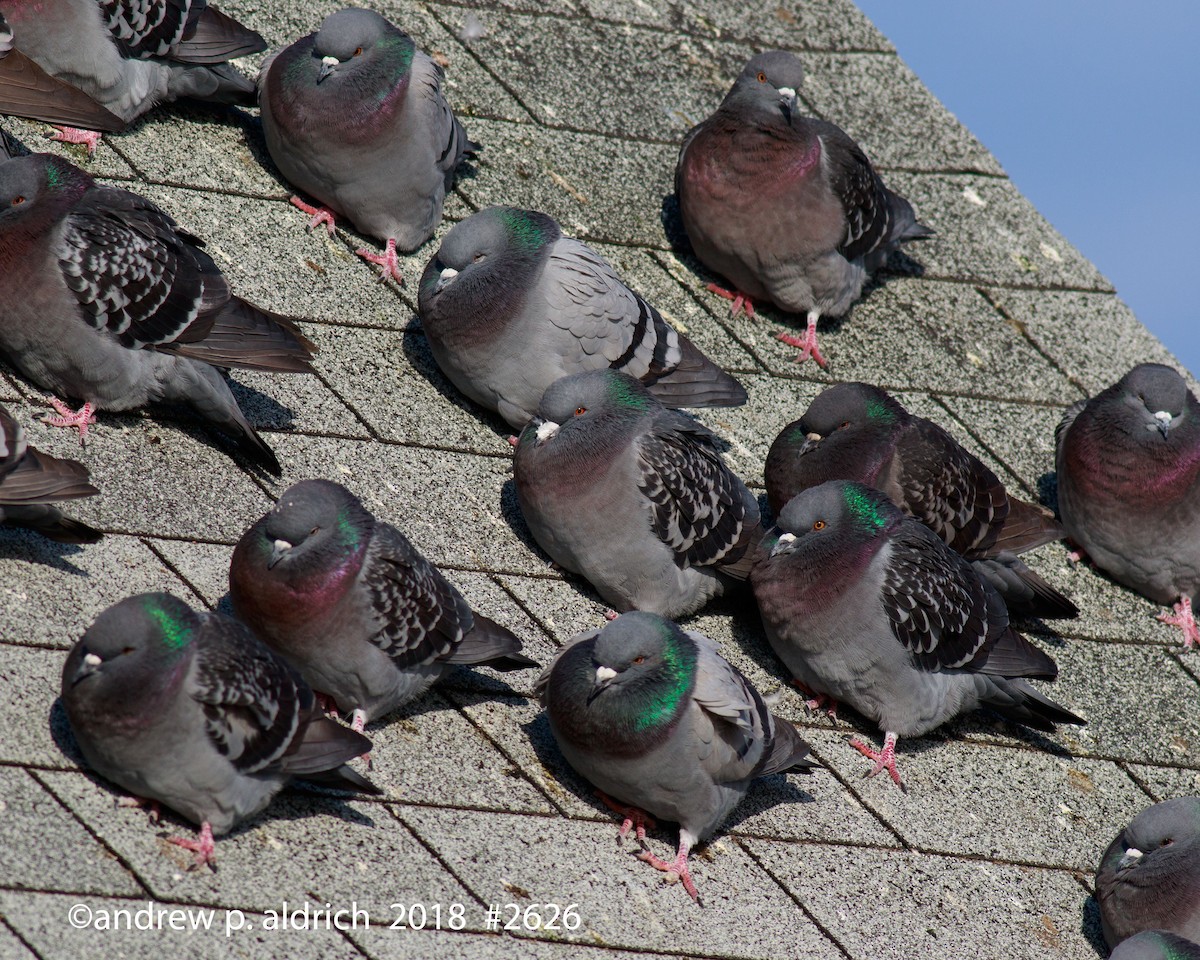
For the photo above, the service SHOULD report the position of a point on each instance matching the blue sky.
(1092, 110)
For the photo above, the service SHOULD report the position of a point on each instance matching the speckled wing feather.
(421, 616)
(186, 31)
(698, 510)
(862, 194)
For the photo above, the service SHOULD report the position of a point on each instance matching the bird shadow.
(262, 410)
(1089, 926)
(1047, 490)
(17, 543)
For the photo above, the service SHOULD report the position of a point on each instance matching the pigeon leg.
(358, 720)
(140, 802)
(319, 215)
(326, 704)
(740, 300)
(633, 818)
(202, 846)
(676, 869)
(1185, 621)
(807, 344)
(389, 265)
(89, 138)
(885, 759)
(71, 418)
(817, 701)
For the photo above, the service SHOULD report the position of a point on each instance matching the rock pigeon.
(1156, 945)
(657, 718)
(105, 299)
(633, 496)
(1128, 463)
(352, 605)
(103, 63)
(788, 208)
(510, 305)
(32, 483)
(1149, 877)
(856, 431)
(189, 710)
(868, 606)
(354, 116)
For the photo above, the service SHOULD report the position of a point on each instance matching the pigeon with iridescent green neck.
(1156, 945)
(656, 718)
(353, 606)
(354, 115)
(786, 207)
(510, 305)
(633, 496)
(32, 484)
(856, 431)
(187, 709)
(1149, 877)
(1128, 464)
(869, 607)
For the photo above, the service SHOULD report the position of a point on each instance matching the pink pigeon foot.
(1185, 621)
(202, 846)
(610, 615)
(389, 265)
(676, 869)
(514, 440)
(72, 418)
(740, 300)
(817, 701)
(885, 759)
(319, 215)
(358, 720)
(89, 138)
(151, 806)
(808, 343)
(633, 818)
(326, 704)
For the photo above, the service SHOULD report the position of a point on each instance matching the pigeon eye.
(477, 258)
(819, 525)
(313, 531)
(130, 650)
(845, 424)
(358, 52)
(17, 201)
(762, 77)
(580, 411)
(638, 660)
(1167, 841)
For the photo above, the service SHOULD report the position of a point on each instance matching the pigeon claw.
(817, 702)
(1185, 621)
(67, 417)
(150, 806)
(885, 759)
(740, 300)
(388, 263)
(634, 817)
(676, 870)
(202, 846)
(89, 138)
(319, 215)
(806, 344)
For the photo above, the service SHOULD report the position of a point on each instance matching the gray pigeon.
(1128, 463)
(856, 431)
(657, 718)
(1149, 877)
(510, 305)
(103, 63)
(352, 605)
(354, 116)
(105, 299)
(868, 606)
(633, 496)
(1156, 945)
(189, 710)
(788, 208)
(32, 483)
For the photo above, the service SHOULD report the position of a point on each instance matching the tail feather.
(1024, 592)
(1016, 700)
(216, 83)
(51, 523)
(26, 90)
(322, 752)
(1027, 526)
(41, 478)
(696, 382)
(491, 645)
(788, 751)
(243, 335)
(217, 38)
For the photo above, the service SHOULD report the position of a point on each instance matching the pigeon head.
(582, 404)
(315, 523)
(767, 85)
(648, 662)
(817, 520)
(131, 644)
(1158, 400)
(362, 47)
(858, 409)
(34, 189)
(491, 250)
(1161, 840)
(1155, 945)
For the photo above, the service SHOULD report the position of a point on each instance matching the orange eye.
(845, 424)
(819, 525)
(639, 659)
(358, 51)
(762, 77)
(580, 411)
(17, 201)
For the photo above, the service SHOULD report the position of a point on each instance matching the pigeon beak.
(87, 666)
(546, 429)
(327, 65)
(444, 279)
(785, 544)
(810, 443)
(604, 677)
(1163, 422)
(279, 550)
(787, 102)
(1132, 856)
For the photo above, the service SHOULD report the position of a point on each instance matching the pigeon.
(869, 607)
(354, 115)
(187, 709)
(856, 431)
(1149, 877)
(103, 63)
(1128, 463)
(510, 305)
(352, 605)
(1156, 945)
(633, 496)
(655, 717)
(788, 208)
(32, 483)
(105, 299)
